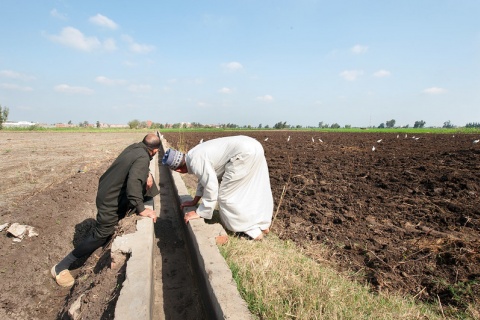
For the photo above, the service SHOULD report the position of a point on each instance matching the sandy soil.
(404, 217)
(49, 181)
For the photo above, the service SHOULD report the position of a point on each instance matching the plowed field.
(400, 211)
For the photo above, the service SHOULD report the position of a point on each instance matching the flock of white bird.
(373, 148)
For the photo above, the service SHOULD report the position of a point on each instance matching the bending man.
(121, 190)
(233, 172)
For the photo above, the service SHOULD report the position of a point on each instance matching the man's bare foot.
(220, 240)
(266, 231)
(260, 237)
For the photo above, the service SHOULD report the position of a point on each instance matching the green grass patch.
(278, 281)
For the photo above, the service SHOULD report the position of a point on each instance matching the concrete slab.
(136, 297)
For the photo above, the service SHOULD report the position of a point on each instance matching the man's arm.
(137, 177)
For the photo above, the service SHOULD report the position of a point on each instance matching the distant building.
(20, 124)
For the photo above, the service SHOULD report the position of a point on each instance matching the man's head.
(175, 160)
(152, 141)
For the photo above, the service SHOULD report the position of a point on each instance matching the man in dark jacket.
(121, 190)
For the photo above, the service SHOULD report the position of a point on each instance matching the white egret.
(476, 141)
(266, 139)
(373, 148)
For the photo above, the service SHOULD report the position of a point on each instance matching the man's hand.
(149, 181)
(188, 204)
(149, 213)
(190, 216)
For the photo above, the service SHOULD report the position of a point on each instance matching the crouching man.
(121, 189)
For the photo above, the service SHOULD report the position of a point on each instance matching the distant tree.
(448, 124)
(335, 126)
(472, 125)
(281, 125)
(260, 126)
(267, 126)
(156, 125)
(348, 126)
(419, 124)
(390, 124)
(298, 126)
(98, 124)
(406, 126)
(134, 124)
(70, 122)
(320, 124)
(3, 116)
(381, 126)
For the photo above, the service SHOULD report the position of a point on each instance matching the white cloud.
(359, 49)
(351, 75)
(15, 75)
(103, 21)
(140, 88)
(381, 73)
(54, 13)
(233, 66)
(434, 90)
(109, 82)
(65, 88)
(225, 90)
(73, 38)
(10, 86)
(266, 98)
(137, 47)
(109, 45)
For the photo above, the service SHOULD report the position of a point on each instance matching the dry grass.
(278, 281)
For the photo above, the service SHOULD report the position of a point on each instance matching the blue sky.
(245, 62)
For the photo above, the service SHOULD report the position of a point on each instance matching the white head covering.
(172, 158)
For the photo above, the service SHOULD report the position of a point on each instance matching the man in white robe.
(233, 173)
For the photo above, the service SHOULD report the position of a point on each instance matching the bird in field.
(320, 140)
(397, 136)
(379, 140)
(405, 135)
(266, 139)
(476, 141)
(313, 140)
(288, 139)
(201, 141)
(373, 148)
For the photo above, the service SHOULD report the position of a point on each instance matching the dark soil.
(404, 217)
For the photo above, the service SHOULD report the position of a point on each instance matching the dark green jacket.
(122, 186)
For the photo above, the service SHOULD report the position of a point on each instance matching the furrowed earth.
(403, 217)
(401, 212)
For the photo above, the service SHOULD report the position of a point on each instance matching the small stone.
(17, 230)
(3, 226)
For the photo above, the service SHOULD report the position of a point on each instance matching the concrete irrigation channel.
(175, 271)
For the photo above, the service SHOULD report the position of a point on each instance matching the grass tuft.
(278, 281)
